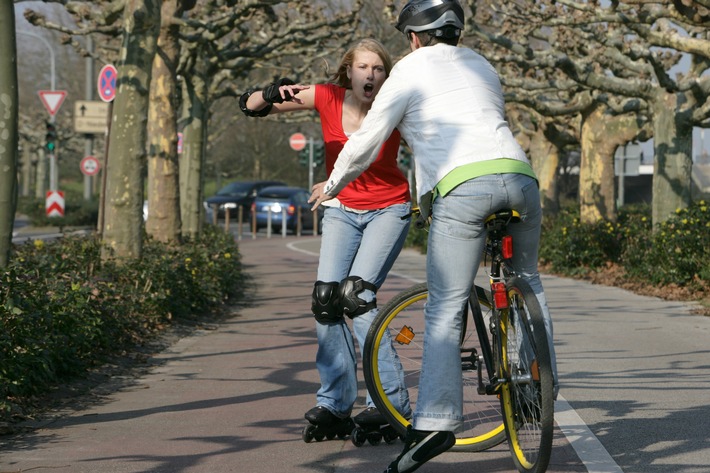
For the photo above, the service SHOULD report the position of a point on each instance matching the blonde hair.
(340, 76)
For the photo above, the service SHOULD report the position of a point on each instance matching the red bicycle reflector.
(405, 336)
(507, 247)
(500, 297)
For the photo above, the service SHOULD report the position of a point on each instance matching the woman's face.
(367, 74)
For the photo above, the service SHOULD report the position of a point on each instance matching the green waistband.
(483, 168)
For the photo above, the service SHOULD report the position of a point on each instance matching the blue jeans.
(364, 245)
(456, 241)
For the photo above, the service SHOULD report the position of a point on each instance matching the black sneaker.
(420, 447)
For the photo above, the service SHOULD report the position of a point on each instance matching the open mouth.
(369, 90)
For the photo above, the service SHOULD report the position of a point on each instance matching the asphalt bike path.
(231, 397)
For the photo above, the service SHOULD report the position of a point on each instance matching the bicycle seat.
(502, 218)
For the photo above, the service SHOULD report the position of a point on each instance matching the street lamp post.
(53, 174)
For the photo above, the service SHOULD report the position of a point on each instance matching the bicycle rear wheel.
(402, 320)
(526, 393)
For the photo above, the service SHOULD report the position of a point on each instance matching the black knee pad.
(325, 304)
(349, 295)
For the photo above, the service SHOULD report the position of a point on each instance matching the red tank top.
(382, 184)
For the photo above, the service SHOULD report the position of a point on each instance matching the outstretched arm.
(281, 96)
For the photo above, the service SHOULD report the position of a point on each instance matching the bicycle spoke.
(404, 323)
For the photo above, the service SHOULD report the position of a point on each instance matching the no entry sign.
(297, 141)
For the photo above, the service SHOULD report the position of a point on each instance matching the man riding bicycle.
(447, 102)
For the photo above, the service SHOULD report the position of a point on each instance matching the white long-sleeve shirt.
(447, 102)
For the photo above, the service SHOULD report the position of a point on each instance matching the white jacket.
(448, 104)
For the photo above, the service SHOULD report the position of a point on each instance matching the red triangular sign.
(52, 99)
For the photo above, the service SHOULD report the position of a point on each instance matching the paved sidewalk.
(232, 399)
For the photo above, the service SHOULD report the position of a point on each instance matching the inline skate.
(323, 424)
(372, 427)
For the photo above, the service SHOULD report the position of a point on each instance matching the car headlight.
(230, 205)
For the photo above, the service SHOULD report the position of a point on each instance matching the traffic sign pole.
(310, 163)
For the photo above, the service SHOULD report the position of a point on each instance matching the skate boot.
(324, 424)
(372, 427)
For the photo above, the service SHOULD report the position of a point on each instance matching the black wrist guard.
(249, 112)
(272, 94)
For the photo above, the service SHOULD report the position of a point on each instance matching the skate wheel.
(358, 437)
(308, 433)
(330, 436)
(319, 437)
(390, 438)
(374, 438)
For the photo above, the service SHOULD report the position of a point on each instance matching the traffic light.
(303, 157)
(318, 154)
(51, 138)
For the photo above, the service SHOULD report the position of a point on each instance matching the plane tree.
(567, 114)
(225, 50)
(8, 129)
(640, 57)
(211, 49)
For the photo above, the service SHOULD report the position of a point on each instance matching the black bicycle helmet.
(431, 15)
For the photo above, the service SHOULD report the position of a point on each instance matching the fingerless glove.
(272, 94)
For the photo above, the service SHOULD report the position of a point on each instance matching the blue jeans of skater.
(456, 241)
(364, 245)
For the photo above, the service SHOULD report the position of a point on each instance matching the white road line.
(588, 448)
(292, 246)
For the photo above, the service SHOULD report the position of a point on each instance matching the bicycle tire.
(483, 427)
(527, 392)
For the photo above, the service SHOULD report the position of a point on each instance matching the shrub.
(677, 252)
(571, 247)
(62, 309)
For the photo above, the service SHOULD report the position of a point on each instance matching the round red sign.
(297, 141)
(107, 83)
(89, 166)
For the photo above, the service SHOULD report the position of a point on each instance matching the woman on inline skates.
(363, 233)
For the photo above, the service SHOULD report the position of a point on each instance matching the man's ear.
(414, 41)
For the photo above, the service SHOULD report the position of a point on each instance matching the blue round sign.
(107, 83)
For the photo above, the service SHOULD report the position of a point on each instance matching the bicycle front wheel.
(401, 323)
(526, 372)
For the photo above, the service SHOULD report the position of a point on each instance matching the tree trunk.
(123, 223)
(163, 222)
(545, 158)
(602, 133)
(196, 111)
(673, 163)
(8, 129)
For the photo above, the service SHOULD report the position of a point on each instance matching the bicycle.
(505, 358)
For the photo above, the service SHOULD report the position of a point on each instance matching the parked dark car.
(238, 193)
(277, 198)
